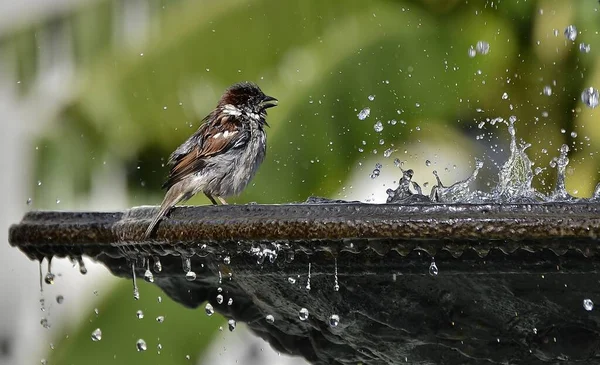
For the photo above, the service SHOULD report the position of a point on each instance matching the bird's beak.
(268, 102)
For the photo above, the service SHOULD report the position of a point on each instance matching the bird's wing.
(215, 136)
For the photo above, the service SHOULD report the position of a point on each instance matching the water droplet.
(49, 278)
(472, 53)
(547, 90)
(571, 33)
(574, 134)
(209, 309)
(29, 201)
(219, 299)
(160, 319)
(433, 269)
(159, 299)
(589, 96)
(148, 276)
(427, 163)
(584, 48)
(159, 347)
(39, 183)
(371, 97)
(482, 47)
(231, 324)
(291, 280)
(157, 265)
(303, 314)
(57, 201)
(190, 276)
(308, 278)
(334, 320)
(44, 323)
(588, 304)
(378, 126)
(139, 314)
(186, 264)
(504, 96)
(336, 285)
(140, 345)
(270, 319)
(82, 268)
(364, 114)
(226, 260)
(535, 331)
(387, 153)
(136, 291)
(230, 301)
(97, 335)
(60, 299)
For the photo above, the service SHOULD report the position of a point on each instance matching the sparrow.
(223, 155)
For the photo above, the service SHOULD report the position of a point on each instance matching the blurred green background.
(142, 74)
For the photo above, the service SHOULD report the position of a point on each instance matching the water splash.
(514, 180)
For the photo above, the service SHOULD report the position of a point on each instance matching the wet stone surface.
(510, 283)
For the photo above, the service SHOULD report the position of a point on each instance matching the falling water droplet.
(270, 319)
(589, 96)
(303, 314)
(136, 291)
(190, 276)
(482, 47)
(29, 201)
(231, 324)
(371, 97)
(504, 96)
(44, 323)
(308, 278)
(226, 260)
(49, 278)
(230, 301)
(148, 276)
(140, 345)
(157, 264)
(571, 33)
(433, 269)
(219, 299)
(209, 309)
(291, 280)
(139, 314)
(82, 268)
(60, 299)
(336, 285)
(547, 90)
(378, 127)
(472, 52)
(364, 114)
(160, 319)
(334, 320)
(588, 304)
(584, 48)
(97, 335)
(186, 264)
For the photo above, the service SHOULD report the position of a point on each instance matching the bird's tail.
(174, 195)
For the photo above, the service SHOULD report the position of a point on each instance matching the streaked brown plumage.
(222, 156)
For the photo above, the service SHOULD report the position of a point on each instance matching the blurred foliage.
(134, 101)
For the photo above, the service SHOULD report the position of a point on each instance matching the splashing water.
(514, 180)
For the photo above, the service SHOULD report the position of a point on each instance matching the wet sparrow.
(224, 153)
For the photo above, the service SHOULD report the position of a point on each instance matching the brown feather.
(210, 140)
